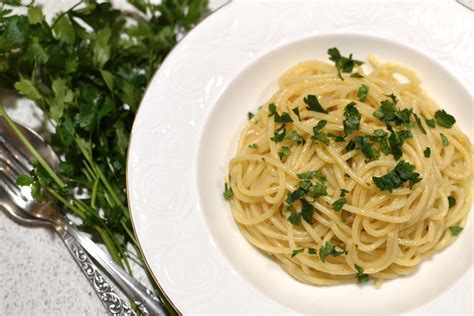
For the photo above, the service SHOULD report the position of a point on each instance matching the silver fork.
(19, 204)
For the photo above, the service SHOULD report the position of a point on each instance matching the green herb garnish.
(312, 251)
(283, 118)
(284, 151)
(296, 110)
(451, 201)
(427, 152)
(313, 104)
(338, 204)
(455, 230)
(352, 119)
(389, 113)
(361, 276)
(350, 145)
(402, 173)
(328, 249)
(343, 192)
(227, 192)
(444, 140)
(295, 219)
(343, 64)
(356, 75)
(444, 119)
(318, 135)
(317, 190)
(362, 93)
(250, 115)
(418, 122)
(367, 149)
(294, 136)
(297, 251)
(279, 135)
(431, 123)
(307, 211)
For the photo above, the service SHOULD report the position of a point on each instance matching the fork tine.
(15, 153)
(16, 194)
(12, 166)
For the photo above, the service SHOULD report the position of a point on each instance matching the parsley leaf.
(367, 149)
(350, 145)
(284, 118)
(295, 195)
(402, 173)
(254, 146)
(343, 192)
(427, 152)
(250, 115)
(343, 64)
(295, 219)
(396, 140)
(431, 123)
(338, 204)
(312, 251)
(307, 211)
(317, 190)
(352, 119)
(363, 91)
(284, 151)
(444, 119)
(388, 112)
(380, 136)
(297, 251)
(296, 110)
(294, 136)
(317, 135)
(451, 201)
(356, 75)
(455, 230)
(228, 193)
(328, 249)
(361, 276)
(418, 122)
(279, 135)
(27, 88)
(24, 180)
(444, 139)
(313, 104)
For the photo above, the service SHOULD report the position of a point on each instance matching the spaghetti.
(342, 177)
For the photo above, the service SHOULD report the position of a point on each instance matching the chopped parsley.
(343, 192)
(350, 145)
(352, 119)
(367, 149)
(295, 219)
(451, 201)
(312, 251)
(402, 173)
(427, 152)
(308, 175)
(418, 122)
(297, 251)
(254, 146)
(284, 151)
(363, 91)
(313, 104)
(343, 64)
(444, 140)
(317, 190)
(338, 204)
(396, 140)
(279, 134)
(361, 276)
(380, 136)
(431, 123)
(295, 195)
(328, 249)
(293, 135)
(356, 75)
(318, 135)
(227, 192)
(307, 211)
(389, 113)
(296, 110)
(444, 119)
(250, 115)
(284, 118)
(455, 230)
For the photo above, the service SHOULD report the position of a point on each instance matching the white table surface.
(38, 276)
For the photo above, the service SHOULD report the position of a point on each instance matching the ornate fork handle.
(146, 300)
(113, 303)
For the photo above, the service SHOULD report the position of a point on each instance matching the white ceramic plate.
(191, 116)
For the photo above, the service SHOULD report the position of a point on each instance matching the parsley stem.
(30, 147)
(70, 206)
(94, 193)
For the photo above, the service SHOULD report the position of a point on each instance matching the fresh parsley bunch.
(87, 70)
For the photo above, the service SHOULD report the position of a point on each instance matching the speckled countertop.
(38, 276)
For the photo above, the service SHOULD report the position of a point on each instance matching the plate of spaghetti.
(297, 171)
